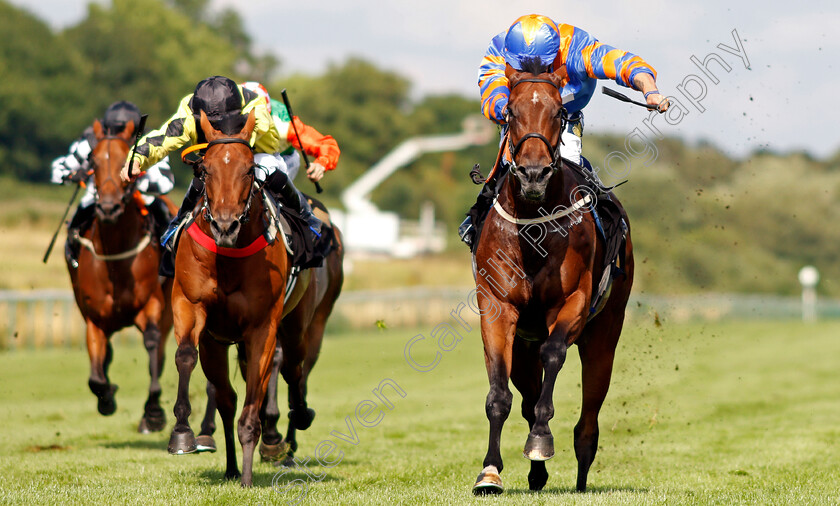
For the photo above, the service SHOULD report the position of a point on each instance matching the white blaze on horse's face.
(227, 158)
(536, 98)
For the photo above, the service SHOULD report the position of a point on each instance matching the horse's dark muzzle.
(109, 212)
(534, 182)
(225, 231)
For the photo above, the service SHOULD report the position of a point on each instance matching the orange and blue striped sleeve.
(588, 57)
(492, 81)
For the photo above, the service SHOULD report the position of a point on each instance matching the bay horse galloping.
(301, 333)
(116, 283)
(230, 286)
(538, 291)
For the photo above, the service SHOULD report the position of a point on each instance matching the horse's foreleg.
(526, 375)
(292, 369)
(153, 417)
(147, 321)
(100, 353)
(189, 324)
(205, 441)
(565, 328)
(498, 336)
(314, 338)
(272, 447)
(214, 362)
(260, 346)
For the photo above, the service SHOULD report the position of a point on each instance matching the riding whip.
(302, 151)
(55, 235)
(625, 98)
(138, 133)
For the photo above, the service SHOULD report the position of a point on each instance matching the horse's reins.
(205, 241)
(127, 193)
(129, 189)
(554, 165)
(205, 207)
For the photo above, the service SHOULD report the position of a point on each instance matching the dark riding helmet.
(221, 100)
(118, 114)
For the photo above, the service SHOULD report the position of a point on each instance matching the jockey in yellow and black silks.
(227, 106)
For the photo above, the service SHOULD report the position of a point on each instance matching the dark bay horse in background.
(223, 296)
(116, 284)
(536, 301)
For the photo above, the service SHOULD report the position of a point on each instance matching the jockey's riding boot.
(78, 225)
(484, 200)
(280, 184)
(593, 174)
(161, 216)
(167, 241)
(467, 231)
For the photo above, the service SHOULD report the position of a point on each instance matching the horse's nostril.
(233, 227)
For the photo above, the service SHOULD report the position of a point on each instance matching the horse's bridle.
(554, 150)
(129, 189)
(205, 207)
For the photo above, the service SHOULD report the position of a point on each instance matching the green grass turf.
(735, 413)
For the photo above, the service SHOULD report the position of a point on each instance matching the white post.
(427, 225)
(808, 278)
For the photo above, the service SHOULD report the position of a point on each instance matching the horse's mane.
(533, 65)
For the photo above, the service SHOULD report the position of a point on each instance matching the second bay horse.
(116, 283)
(230, 286)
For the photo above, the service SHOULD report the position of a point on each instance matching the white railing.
(49, 318)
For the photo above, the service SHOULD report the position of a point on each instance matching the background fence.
(41, 319)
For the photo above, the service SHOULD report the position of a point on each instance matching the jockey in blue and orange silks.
(579, 58)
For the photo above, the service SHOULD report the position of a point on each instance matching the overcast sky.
(782, 101)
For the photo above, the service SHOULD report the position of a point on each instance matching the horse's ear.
(249, 126)
(209, 132)
(98, 131)
(511, 73)
(562, 75)
(556, 79)
(128, 131)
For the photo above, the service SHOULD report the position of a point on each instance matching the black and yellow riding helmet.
(221, 100)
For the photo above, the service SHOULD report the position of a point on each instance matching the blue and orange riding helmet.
(532, 37)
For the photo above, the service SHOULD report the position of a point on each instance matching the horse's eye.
(508, 113)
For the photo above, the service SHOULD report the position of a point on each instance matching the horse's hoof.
(106, 404)
(205, 443)
(232, 475)
(287, 461)
(488, 482)
(273, 453)
(539, 448)
(181, 443)
(302, 419)
(149, 424)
